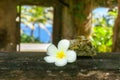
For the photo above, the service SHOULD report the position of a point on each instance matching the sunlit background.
(103, 20)
(36, 27)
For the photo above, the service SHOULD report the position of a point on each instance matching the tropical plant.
(31, 15)
(103, 31)
(28, 39)
(102, 39)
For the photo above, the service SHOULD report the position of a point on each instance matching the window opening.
(36, 27)
(102, 22)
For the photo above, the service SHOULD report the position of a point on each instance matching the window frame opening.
(31, 47)
(105, 20)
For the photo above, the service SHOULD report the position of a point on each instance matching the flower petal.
(61, 62)
(63, 44)
(52, 50)
(71, 56)
(50, 59)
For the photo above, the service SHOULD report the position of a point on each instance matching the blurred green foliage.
(28, 39)
(102, 39)
(31, 15)
(103, 31)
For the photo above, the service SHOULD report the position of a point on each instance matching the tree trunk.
(77, 19)
(116, 32)
(82, 17)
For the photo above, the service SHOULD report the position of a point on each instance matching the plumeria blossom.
(61, 55)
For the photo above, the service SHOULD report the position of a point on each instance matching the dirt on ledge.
(59, 75)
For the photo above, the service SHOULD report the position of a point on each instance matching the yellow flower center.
(60, 55)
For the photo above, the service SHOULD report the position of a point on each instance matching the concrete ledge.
(25, 64)
(34, 60)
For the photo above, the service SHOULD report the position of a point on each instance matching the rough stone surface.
(31, 66)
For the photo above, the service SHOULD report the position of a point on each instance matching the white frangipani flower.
(61, 55)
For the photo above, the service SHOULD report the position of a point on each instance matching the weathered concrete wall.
(37, 2)
(8, 30)
(68, 29)
(70, 20)
(8, 25)
(116, 32)
(31, 66)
